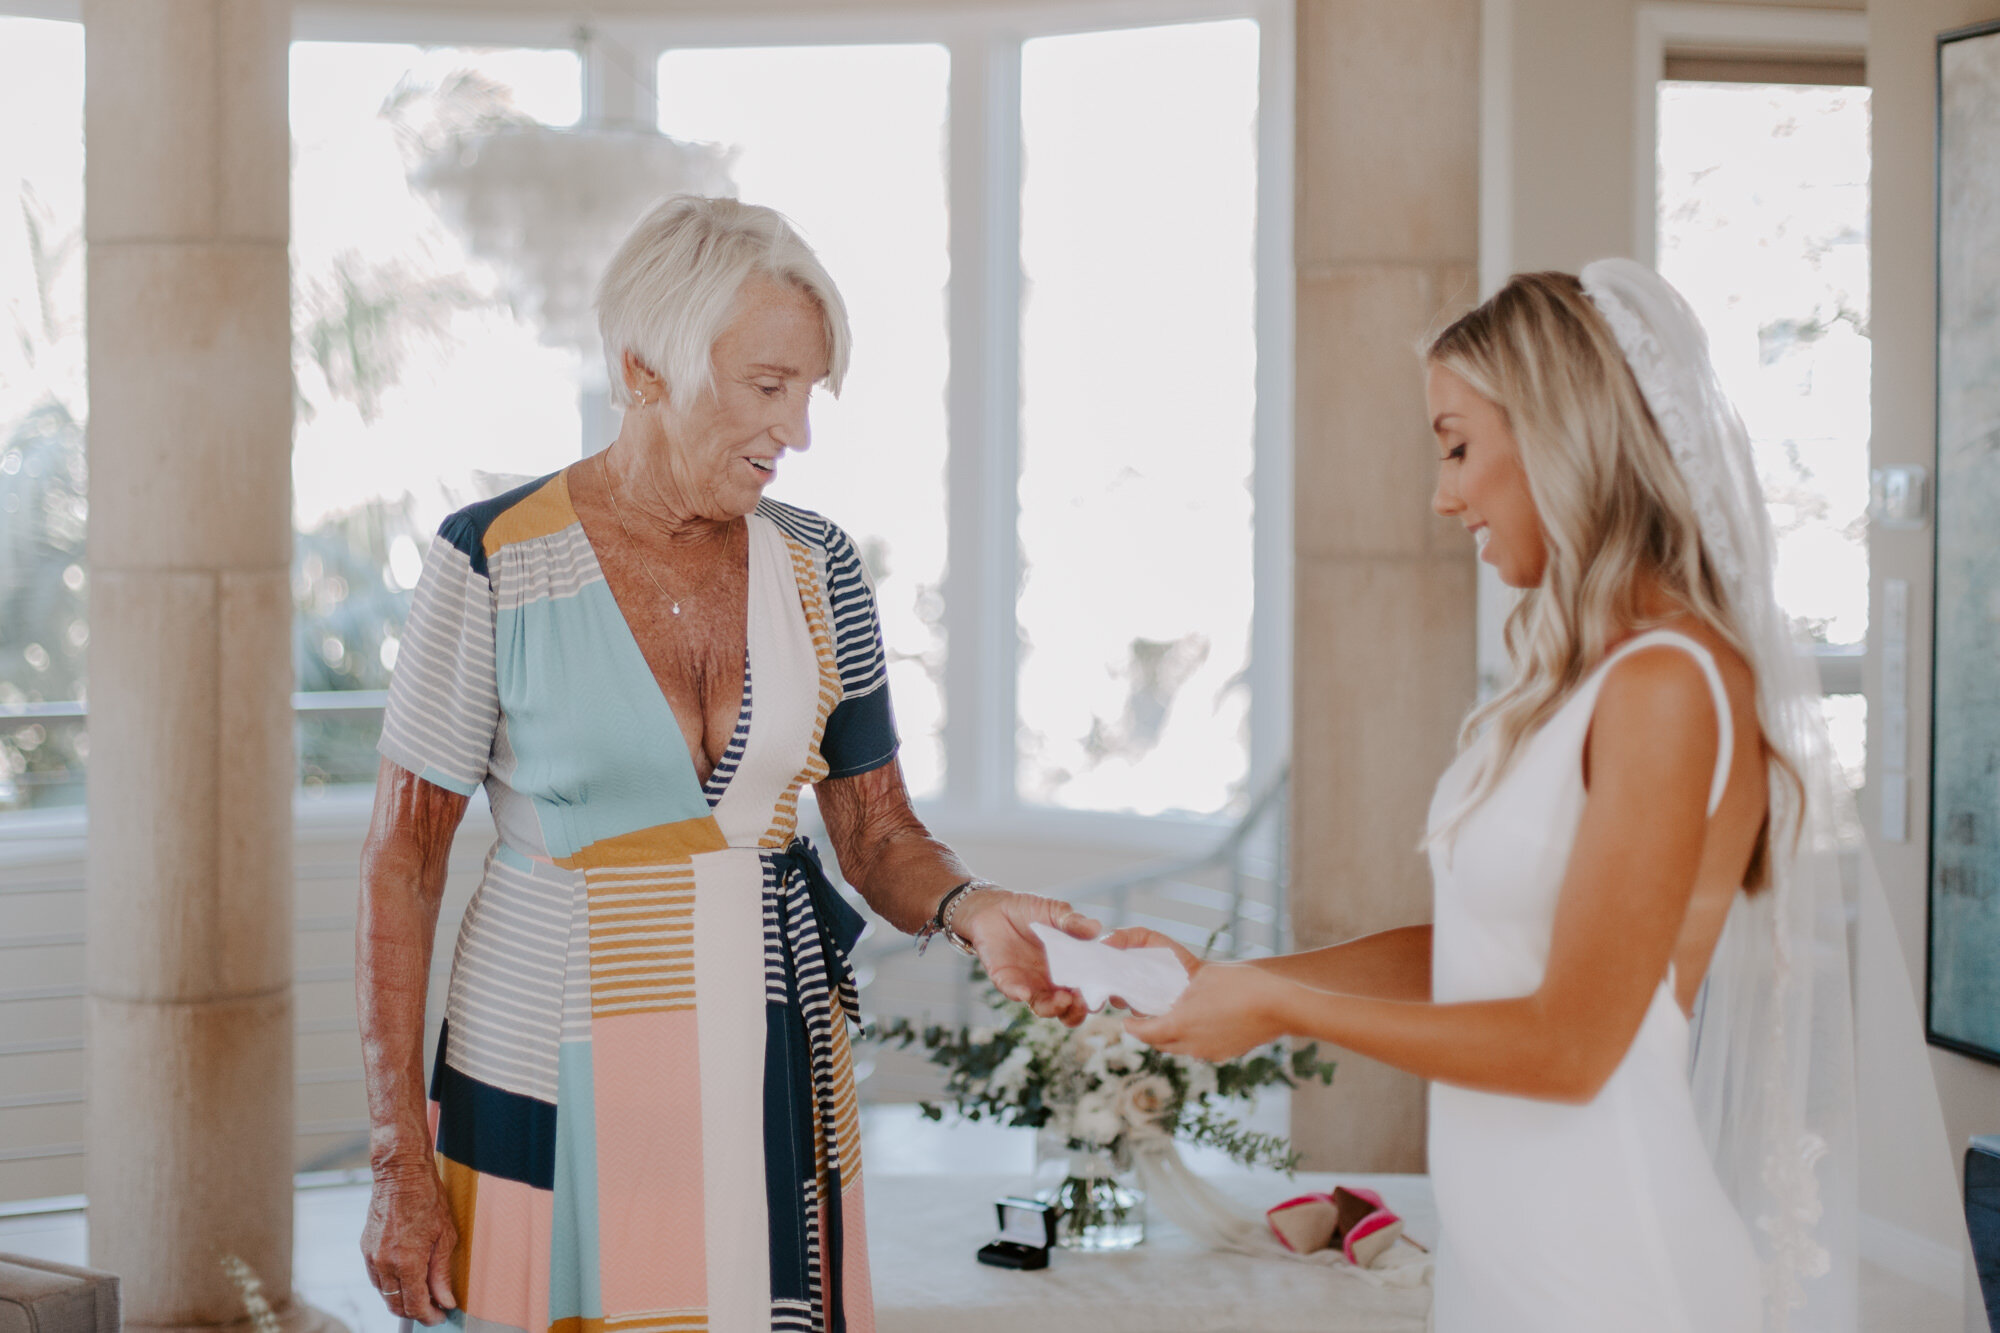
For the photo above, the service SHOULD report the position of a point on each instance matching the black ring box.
(1027, 1230)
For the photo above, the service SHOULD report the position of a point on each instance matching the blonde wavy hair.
(1615, 512)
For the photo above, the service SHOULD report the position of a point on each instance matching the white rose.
(1096, 1119)
(1200, 1080)
(1105, 1065)
(1127, 1055)
(982, 1036)
(1143, 1102)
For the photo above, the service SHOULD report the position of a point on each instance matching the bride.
(1633, 860)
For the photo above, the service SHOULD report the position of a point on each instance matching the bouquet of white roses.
(1099, 1089)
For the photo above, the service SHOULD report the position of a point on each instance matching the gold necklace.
(611, 487)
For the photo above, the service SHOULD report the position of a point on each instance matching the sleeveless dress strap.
(1725, 724)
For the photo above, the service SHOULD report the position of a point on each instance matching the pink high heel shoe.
(1355, 1219)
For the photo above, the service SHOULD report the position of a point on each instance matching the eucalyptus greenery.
(1097, 1087)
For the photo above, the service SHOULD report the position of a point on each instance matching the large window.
(420, 388)
(44, 632)
(1051, 438)
(849, 142)
(1059, 448)
(1057, 500)
(1138, 451)
(1763, 224)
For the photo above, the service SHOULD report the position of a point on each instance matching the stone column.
(189, 874)
(1386, 244)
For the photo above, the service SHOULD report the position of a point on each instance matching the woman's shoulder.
(815, 530)
(535, 508)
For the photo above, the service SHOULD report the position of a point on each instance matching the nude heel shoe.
(1354, 1219)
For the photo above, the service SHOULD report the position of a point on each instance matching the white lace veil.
(1774, 1063)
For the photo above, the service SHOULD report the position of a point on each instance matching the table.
(923, 1231)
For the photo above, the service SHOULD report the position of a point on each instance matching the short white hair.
(672, 289)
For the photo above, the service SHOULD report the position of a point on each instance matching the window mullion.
(620, 76)
(983, 472)
(1271, 616)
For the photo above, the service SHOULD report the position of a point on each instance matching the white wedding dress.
(1558, 1218)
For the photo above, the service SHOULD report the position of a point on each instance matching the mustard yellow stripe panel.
(641, 938)
(846, 1104)
(659, 845)
(461, 1192)
(546, 512)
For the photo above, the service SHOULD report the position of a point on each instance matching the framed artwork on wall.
(1963, 1001)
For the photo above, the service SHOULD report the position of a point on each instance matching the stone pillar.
(1386, 243)
(189, 874)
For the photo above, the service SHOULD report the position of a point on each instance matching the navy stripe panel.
(857, 637)
(860, 735)
(788, 1150)
(493, 1131)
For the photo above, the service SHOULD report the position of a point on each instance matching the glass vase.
(1098, 1207)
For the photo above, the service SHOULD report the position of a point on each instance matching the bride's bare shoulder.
(1657, 685)
(1737, 677)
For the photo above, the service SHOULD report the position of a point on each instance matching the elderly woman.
(642, 1113)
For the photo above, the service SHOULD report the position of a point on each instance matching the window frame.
(1667, 29)
(1802, 37)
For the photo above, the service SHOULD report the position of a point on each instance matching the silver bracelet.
(947, 911)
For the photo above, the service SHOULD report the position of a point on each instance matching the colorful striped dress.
(643, 1097)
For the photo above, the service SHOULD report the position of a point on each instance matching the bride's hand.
(1138, 937)
(1227, 1009)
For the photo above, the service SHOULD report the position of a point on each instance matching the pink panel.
(510, 1221)
(860, 1297)
(649, 1181)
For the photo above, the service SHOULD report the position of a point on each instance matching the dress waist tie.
(818, 929)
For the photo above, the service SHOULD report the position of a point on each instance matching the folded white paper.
(1148, 980)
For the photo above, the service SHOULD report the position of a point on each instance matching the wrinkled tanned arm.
(409, 1238)
(886, 852)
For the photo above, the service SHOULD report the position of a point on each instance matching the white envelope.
(1149, 980)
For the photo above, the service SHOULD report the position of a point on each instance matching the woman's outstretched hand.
(996, 923)
(1227, 1009)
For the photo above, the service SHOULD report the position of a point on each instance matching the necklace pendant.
(677, 608)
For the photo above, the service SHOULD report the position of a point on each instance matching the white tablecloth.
(923, 1231)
